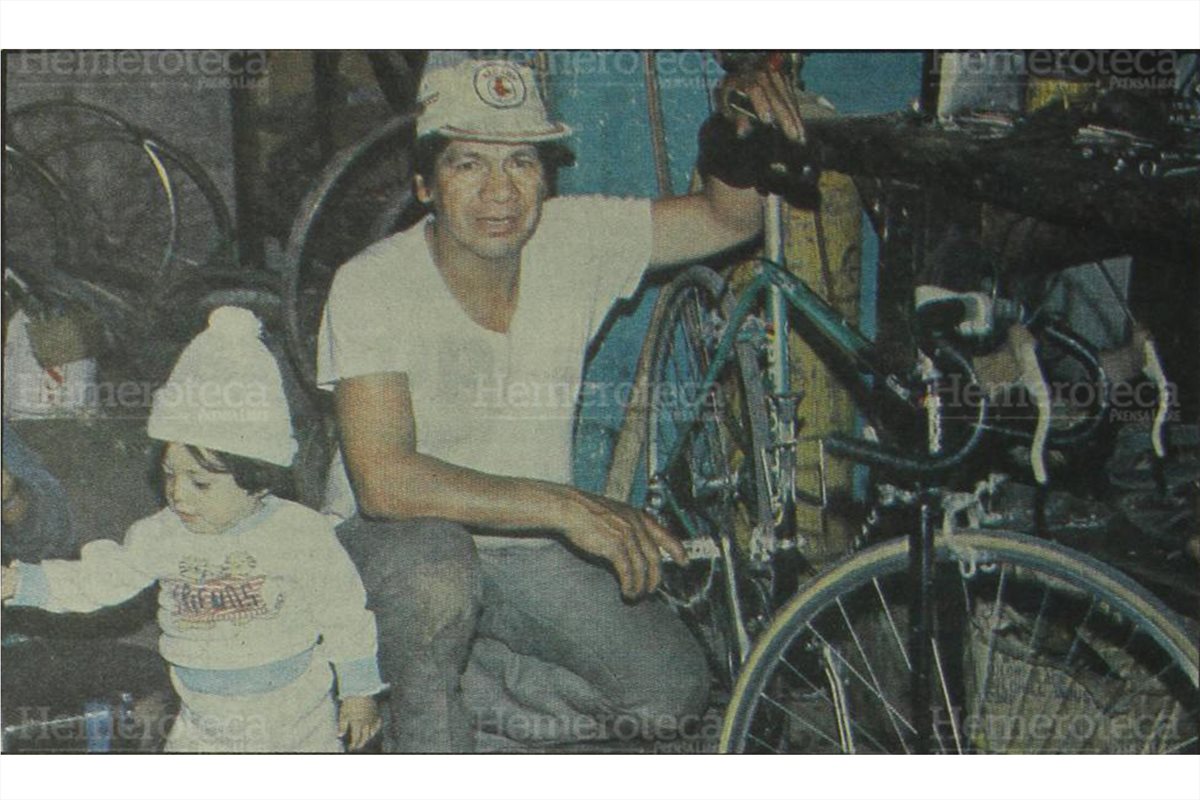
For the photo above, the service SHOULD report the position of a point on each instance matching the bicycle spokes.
(1034, 649)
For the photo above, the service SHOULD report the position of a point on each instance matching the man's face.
(488, 196)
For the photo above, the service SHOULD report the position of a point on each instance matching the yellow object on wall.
(1042, 92)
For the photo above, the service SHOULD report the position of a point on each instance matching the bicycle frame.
(853, 354)
(777, 290)
(782, 290)
(856, 358)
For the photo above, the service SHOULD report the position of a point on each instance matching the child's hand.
(9, 578)
(13, 501)
(358, 721)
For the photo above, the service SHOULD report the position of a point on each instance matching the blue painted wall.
(602, 94)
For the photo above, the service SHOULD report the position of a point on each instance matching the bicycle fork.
(921, 630)
(935, 682)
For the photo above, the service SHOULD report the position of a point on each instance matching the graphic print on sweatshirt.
(234, 591)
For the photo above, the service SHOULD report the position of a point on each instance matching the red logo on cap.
(499, 85)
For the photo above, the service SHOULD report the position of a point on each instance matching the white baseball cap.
(491, 101)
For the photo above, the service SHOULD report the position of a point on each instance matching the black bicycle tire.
(858, 569)
(66, 239)
(311, 208)
(39, 106)
(223, 248)
(223, 253)
(753, 396)
(713, 283)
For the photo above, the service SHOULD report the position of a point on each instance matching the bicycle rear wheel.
(704, 446)
(151, 212)
(1039, 649)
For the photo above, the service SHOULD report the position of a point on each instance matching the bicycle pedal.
(696, 549)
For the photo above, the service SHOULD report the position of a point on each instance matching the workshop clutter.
(48, 368)
(113, 240)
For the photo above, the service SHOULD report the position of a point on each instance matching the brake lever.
(1024, 349)
(1154, 370)
(740, 103)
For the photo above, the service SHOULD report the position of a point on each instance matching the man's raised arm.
(721, 216)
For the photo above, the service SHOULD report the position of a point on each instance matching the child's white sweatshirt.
(264, 592)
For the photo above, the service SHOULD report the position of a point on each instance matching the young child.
(259, 605)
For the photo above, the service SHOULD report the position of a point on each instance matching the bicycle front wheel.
(1036, 649)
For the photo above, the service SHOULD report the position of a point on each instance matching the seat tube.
(779, 358)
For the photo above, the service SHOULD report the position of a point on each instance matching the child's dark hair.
(249, 474)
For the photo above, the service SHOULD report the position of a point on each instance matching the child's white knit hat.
(226, 393)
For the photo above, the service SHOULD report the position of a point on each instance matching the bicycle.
(829, 671)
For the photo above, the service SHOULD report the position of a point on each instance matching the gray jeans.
(524, 646)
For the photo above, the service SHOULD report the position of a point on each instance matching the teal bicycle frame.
(781, 290)
(853, 354)
(775, 290)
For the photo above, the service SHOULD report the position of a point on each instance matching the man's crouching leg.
(422, 582)
(562, 659)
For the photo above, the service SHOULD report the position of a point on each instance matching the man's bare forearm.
(695, 226)
(393, 480)
(417, 485)
(739, 211)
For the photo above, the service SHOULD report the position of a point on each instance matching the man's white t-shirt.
(501, 403)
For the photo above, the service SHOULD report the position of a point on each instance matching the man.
(455, 352)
